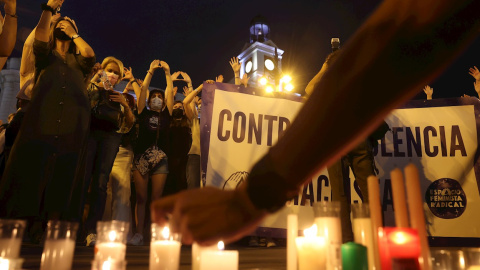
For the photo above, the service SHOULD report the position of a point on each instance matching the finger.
(160, 208)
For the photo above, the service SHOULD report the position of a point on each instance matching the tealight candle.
(164, 249)
(219, 259)
(311, 250)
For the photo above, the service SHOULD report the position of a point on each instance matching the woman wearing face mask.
(105, 137)
(43, 173)
(154, 123)
(179, 143)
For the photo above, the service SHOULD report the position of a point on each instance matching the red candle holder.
(399, 248)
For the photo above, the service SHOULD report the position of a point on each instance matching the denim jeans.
(101, 152)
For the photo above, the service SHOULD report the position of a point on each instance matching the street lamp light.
(263, 81)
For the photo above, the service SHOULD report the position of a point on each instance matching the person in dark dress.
(154, 123)
(43, 175)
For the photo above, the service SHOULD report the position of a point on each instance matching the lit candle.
(417, 215)
(399, 247)
(311, 250)
(109, 265)
(375, 213)
(399, 198)
(327, 219)
(292, 233)
(196, 252)
(58, 254)
(219, 259)
(110, 250)
(164, 251)
(354, 257)
(10, 264)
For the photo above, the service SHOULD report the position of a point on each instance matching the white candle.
(196, 251)
(10, 247)
(110, 250)
(362, 232)
(58, 254)
(292, 233)
(331, 229)
(164, 255)
(219, 259)
(311, 250)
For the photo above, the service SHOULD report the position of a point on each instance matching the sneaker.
(91, 239)
(271, 243)
(137, 240)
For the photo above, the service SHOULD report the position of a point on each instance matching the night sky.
(199, 37)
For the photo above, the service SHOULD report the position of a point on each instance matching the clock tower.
(260, 57)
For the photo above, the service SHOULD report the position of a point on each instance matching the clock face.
(248, 66)
(269, 64)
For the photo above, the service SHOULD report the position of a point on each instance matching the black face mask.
(177, 113)
(60, 35)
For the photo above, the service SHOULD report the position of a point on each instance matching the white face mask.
(112, 77)
(156, 103)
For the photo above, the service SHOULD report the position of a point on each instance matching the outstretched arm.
(169, 98)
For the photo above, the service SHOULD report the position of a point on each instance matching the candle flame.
(166, 232)
(107, 265)
(221, 245)
(311, 232)
(400, 237)
(112, 235)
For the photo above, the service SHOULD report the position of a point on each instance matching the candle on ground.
(219, 259)
(292, 233)
(354, 257)
(164, 250)
(311, 250)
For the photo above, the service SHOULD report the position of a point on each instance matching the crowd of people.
(77, 133)
(73, 133)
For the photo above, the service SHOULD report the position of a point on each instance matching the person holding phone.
(42, 175)
(111, 118)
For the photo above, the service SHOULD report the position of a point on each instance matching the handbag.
(150, 158)
(106, 113)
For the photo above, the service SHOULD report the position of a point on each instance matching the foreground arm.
(390, 46)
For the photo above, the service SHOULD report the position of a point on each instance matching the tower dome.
(259, 29)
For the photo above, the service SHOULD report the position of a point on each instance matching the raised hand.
(186, 91)
(175, 76)
(186, 78)
(128, 75)
(219, 78)
(475, 73)
(165, 66)
(428, 91)
(53, 3)
(244, 80)
(67, 28)
(175, 91)
(155, 65)
(235, 64)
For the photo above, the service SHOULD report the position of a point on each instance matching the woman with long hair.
(105, 136)
(43, 175)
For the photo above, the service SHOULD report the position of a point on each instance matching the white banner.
(441, 140)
